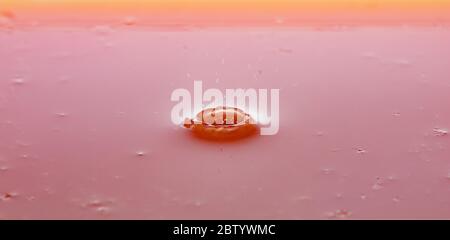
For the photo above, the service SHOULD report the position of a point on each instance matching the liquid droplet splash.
(222, 124)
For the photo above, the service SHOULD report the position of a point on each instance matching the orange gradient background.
(236, 11)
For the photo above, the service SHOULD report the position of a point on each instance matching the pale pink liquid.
(85, 128)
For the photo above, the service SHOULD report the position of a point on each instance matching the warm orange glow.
(221, 11)
(229, 4)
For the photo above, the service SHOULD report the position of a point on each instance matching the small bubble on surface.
(363, 197)
(440, 132)
(99, 205)
(360, 150)
(7, 196)
(141, 153)
(327, 171)
(31, 198)
(379, 184)
(396, 114)
(319, 134)
(61, 114)
(103, 210)
(96, 202)
(339, 214)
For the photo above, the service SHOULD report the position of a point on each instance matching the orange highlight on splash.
(222, 124)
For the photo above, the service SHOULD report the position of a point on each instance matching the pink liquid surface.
(85, 130)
